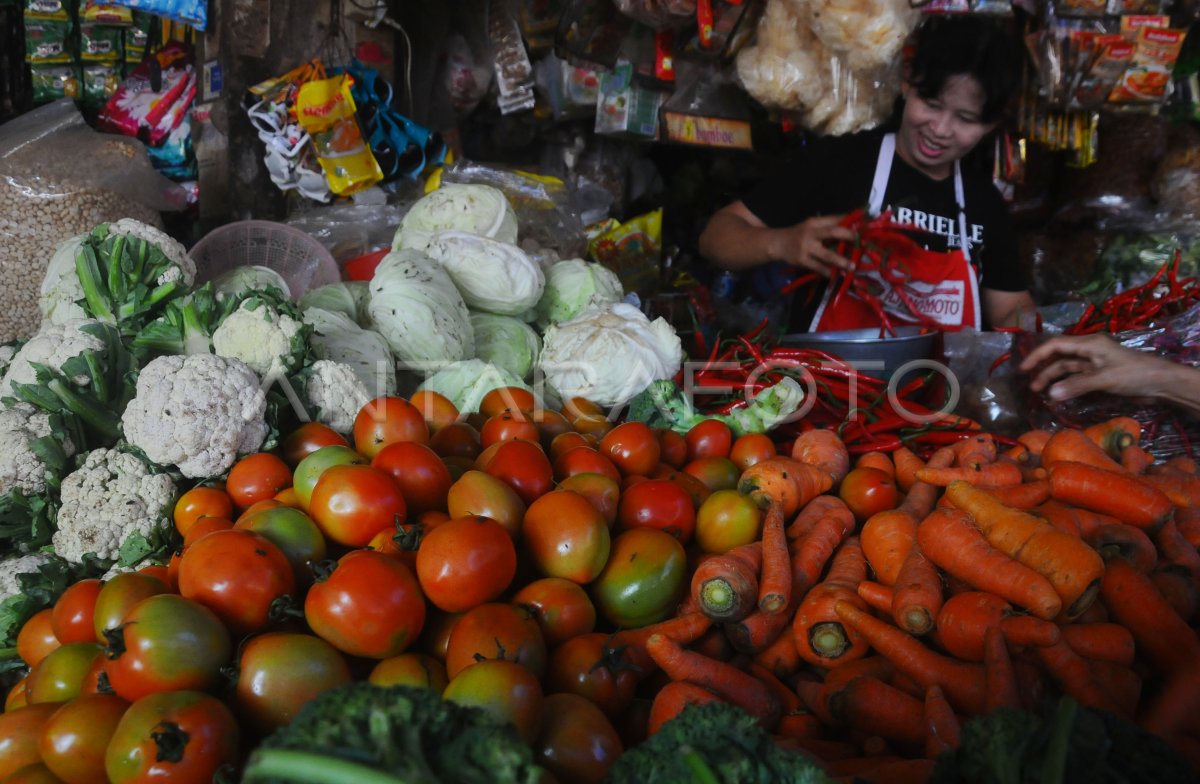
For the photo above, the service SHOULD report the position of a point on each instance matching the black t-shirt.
(833, 175)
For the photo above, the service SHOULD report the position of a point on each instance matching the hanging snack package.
(100, 82)
(1148, 78)
(47, 41)
(100, 43)
(51, 82)
(54, 10)
(190, 12)
(137, 109)
(633, 250)
(101, 13)
(325, 108)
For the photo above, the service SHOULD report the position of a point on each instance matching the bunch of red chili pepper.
(1163, 295)
(857, 405)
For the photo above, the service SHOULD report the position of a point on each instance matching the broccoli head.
(361, 733)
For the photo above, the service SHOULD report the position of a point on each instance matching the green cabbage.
(250, 277)
(465, 383)
(336, 337)
(348, 297)
(477, 209)
(506, 342)
(417, 308)
(492, 276)
(573, 285)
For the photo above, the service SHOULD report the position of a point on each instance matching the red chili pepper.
(798, 281)
(890, 444)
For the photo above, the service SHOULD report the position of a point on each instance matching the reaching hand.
(1073, 366)
(807, 244)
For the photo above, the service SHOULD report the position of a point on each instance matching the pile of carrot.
(1066, 564)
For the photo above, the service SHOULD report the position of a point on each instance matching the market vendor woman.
(958, 83)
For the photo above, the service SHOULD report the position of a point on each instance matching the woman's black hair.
(948, 46)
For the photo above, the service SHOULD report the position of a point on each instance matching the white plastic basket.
(302, 261)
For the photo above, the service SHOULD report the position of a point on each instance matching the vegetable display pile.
(475, 583)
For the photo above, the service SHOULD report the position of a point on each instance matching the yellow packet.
(633, 250)
(325, 108)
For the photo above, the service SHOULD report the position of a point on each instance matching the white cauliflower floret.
(10, 568)
(112, 497)
(265, 339)
(196, 412)
(337, 393)
(20, 468)
(7, 352)
(52, 346)
(61, 290)
(185, 268)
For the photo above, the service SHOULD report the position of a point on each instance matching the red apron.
(939, 287)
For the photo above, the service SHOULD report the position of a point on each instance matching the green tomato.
(305, 477)
(644, 579)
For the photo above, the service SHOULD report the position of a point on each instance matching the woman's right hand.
(809, 244)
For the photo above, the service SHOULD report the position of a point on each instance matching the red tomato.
(717, 473)
(117, 597)
(177, 736)
(202, 501)
(205, 526)
(419, 670)
(584, 460)
(16, 696)
(661, 504)
(505, 689)
(576, 741)
(59, 676)
(750, 449)
(503, 399)
(587, 666)
(308, 438)
(386, 420)
(436, 636)
(36, 638)
(633, 447)
(37, 773)
(596, 426)
(494, 630)
(673, 448)
(566, 536)
(75, 738)
(167, 643)
(457, 439)
(696, 490)
(602, 492)
(280, 671)
(509, 425)
(237, 574)
(256, 478)
(73, 613)
(550, 425)
(867, 491)
(369, 605)
(644, 579)
(437, 409)
(93, 683)
(479, 493)
(423, 478)
(20, 734)
(726, 520)
(524, 466)
(708, 438)
(352, 503)
(465, 562)
(577, 407)
(565, 442)
(562, 608)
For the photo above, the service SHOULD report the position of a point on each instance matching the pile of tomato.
(488, 557)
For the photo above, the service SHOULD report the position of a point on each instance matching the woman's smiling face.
(936, 132)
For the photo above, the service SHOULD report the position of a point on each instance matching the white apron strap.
(883, 171)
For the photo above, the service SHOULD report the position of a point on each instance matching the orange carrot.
(757, 631)
(878, 460)
(874, 666)
(1018, 453)
(1122, 685)
(942, 730)
(998, 474)
(1094, 614)
(781, 656)
(825, 450)
(875, 708)
(684, 629)
(1124, 541)
(1089, 521)
(1064, 518)
(1033, 684)
(962, 682)
(789, 701)
(816, 510)
(812, 552)
(950, 540)
(887, 537)
(821, 638)
(725, 587)
(1034, 441)
(1159, 632)
(907, 464)
(1114, 434)
(1100, 641)
(782, 479)
(799, 724)
(1073, 675)
(1072, 445)
(1188, 523)
(917, 595)
(725, 680)
(975, 452)
(999, 678)
(1136, 460)
(714, 644)
(1071, 566)
(1182, 489)
(775, 582)
(826, 750)
(964, 620)
(1026, 495)
(672, 698)
(878, 596)
(1179, 590)
(1176, 550)
(1128, 498)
